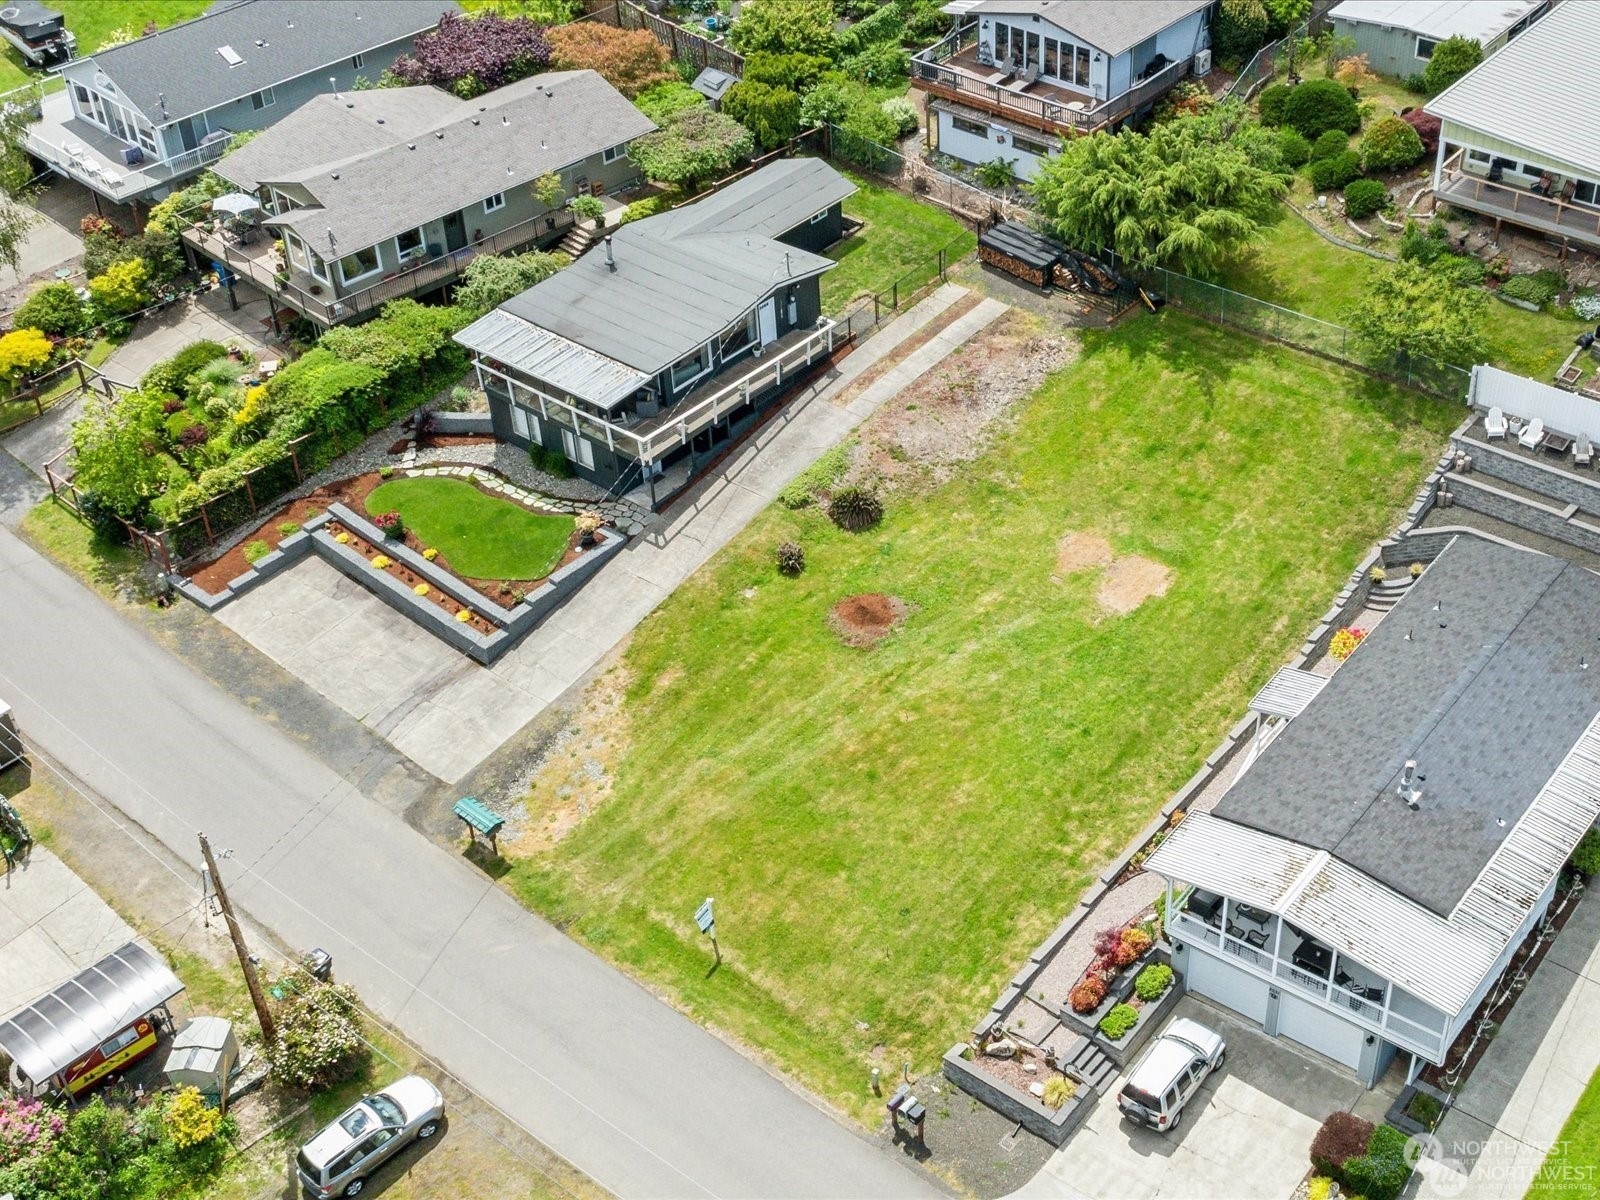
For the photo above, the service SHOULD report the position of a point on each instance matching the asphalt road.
(635, 1095)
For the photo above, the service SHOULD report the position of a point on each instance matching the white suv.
(1170, 1073)
(339, 1159)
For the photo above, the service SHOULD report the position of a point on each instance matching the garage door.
(1323, 1031)
(1226, 984)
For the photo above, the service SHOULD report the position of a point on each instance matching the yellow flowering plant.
(464, 615)
(421, 589)
(381, 561)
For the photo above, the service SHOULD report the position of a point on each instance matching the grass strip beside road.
(483, 537)
(1573, 1164)
(888, 833)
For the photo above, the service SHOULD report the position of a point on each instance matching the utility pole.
(269, 1030)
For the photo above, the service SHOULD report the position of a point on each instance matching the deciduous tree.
(784, 27)
(22, 351)
(491, 280)
(1408, 309)
(693, 146)
(473, 55)
(630, 60)
(1184, 195)
(1452, 58)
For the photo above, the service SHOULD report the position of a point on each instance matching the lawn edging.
(513, 623)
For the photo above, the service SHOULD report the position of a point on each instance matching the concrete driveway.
(52, 925)
(1244, 1137)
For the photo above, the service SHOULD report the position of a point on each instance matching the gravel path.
(1117, 907)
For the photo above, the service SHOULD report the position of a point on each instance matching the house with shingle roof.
(391, 191)
(135, 121)
(1399, 830)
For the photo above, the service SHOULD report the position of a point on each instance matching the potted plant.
(588, 526)
(588, 208)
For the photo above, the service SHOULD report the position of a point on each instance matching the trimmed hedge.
(1333, 173)
(1320, 105)
(1329, 144)
(1342, 1137)
(1293, 148)
(1363, 197)
(1390, 143)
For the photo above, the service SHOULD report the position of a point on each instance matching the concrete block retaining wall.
(462, 424)
(1053, 1125)
(1491, 460)
(1560, 524)
(512, 623)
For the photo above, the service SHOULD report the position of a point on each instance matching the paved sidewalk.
(1512, 1108)
(52, 925)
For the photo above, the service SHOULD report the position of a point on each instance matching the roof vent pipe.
(610, 258)
(1407, 777)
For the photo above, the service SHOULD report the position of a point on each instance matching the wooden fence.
(684, 45)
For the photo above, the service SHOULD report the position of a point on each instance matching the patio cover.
(1287, 693)
(58, 1029)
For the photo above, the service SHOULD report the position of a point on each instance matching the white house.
(1399, 36)
(1365, 881)
(1015, 77)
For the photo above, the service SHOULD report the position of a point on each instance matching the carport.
(82, 1016)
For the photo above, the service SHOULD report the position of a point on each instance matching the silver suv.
(1170, 1073)
(339, 1159)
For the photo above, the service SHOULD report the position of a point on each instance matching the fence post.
(205, 523)
(941, 262)
(875, 308)
(896, 305)
(250, 494)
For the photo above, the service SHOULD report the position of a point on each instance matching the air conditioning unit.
(1202, 62)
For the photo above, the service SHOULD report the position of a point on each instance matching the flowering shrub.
(1086, 997)
(464, 615)
(1586, 306)
(319, 1038)
(189, 1120)
(1137, 940)
(430, 554)
(421, 589)
(381, 562)
(476, 54)
(1345, 641)
(26, 1128)
(391, 523)
(342, 538)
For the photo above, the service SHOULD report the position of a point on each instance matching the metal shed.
(204, 1054)
(59, 1028)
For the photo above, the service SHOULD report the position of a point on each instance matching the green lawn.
(1571, 1167)
(481, 536)
(888, 833)
(1296, 268)
(900, 242)
(56, 532)
(93, 21)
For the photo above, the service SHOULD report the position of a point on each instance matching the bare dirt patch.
(1082, 552)
(949, 415)
(1131, 580)
(865, 620)
(574, 775)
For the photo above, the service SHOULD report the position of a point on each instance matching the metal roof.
(1438, 19)
(1111, 25)
(58, 1029)
(675, 286)
(432, 154)
(1288, 693)
(712, 83)
(1541, 90)
(178, 72)
(769, 202)
(551, 358)
(1479, 676)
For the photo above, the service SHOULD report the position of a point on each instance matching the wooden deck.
(1518, 206)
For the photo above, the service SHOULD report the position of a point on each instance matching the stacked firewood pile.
(1011, 265)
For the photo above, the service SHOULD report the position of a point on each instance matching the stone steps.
(1387, 593)
(1086, 1061)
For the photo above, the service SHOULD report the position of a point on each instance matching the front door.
(455, 232)
(767, 318)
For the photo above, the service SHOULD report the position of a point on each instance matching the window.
(739, 338)
(819, 218)
(410, 244)
(687, 370)
(1028, 145)
(614, 153)
(1425, 48)
(1478, 156)
(495, 202)
(1083, 66)
(1052, 58)
(358, 62)
(577, 449)
(976, 129)
(123, 1040)
(263, 99)
(362, 262)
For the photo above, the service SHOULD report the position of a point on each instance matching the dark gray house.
(646, 356)
(138, 119)
(392, 191)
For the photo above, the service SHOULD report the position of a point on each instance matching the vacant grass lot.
(483, 537)
(1295, 268)
(888, 833)
(1570, 1168)
(900, 243)
(93, 22)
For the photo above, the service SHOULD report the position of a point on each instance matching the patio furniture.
(1560, 443)
(1494, 424)
(1583, 451)
(1257, 916)
(1313, 959)
(1531, 433)
(268, 367)
(1205, 905)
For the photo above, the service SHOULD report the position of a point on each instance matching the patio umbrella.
(236, 204)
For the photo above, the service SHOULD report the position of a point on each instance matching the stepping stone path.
(627, 517)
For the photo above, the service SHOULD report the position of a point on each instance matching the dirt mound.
(1130, 581)
(1081, 551)
(866, 619)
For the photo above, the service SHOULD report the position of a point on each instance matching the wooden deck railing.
(1521, 206)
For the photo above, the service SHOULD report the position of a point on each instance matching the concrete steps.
(1086, 1061)
(1387, 593)
(579, 238)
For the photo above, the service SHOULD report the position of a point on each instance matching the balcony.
(316, 300)
(648, 439)
(78, 150)
(951, 69)
(1504, 201)
(1273, 949)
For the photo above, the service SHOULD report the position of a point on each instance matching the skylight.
(229, 55)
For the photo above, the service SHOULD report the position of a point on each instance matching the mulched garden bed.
(866, 619)
(371, 550)
(213, 576)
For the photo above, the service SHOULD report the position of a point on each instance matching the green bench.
(479, 818)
